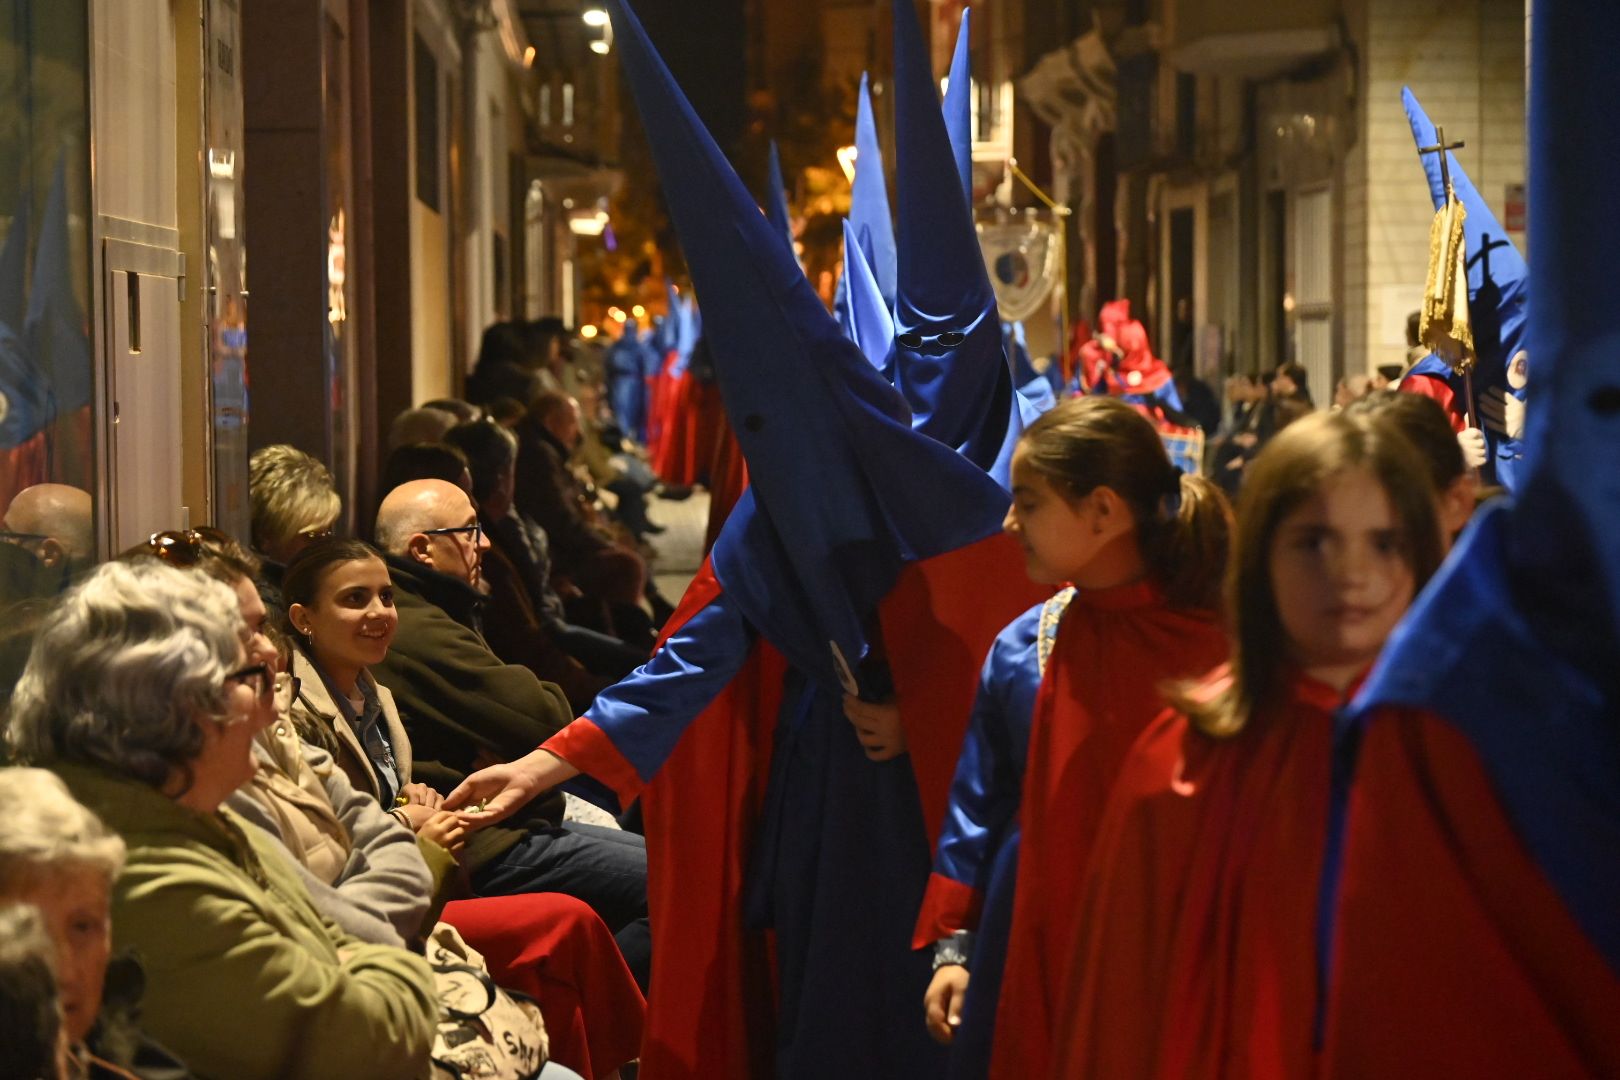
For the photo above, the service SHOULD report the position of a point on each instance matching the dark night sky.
(705, 44)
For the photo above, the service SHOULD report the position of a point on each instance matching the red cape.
(1194, 956)
(1453, 954)
(711, 1004)
(1115, 649)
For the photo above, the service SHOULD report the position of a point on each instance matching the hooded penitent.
(1498, 295)
(869, 213)
(776, 208)
(958, 106)
(866, 318)
(756, 793)
(949, 362)
(1488, 722)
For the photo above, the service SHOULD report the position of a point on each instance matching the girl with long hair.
(1195, 951)
(1065, 691)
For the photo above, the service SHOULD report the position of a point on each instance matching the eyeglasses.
(21, 539)
(280, 685)
(948, 340)
(315, 533)
(476, 528)
(184, 547)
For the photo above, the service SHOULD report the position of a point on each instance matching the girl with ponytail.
(1138, 550)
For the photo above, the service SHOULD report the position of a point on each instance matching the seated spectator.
(56, 523)
(462, 706)
(504, 367)
(31, 1028)
(420, 425)
(525, 623)
(506, 411)
(465, 412)
(425, 461)
(366, 873)
(608, 575)
(58, 857)
(139, 696)
(292, 503)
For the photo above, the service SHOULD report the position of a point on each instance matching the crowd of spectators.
(228, 854)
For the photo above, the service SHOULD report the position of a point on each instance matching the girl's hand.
(877, 726)
(421, 795)
(415, 814)
(446, 829)
(942, 1002)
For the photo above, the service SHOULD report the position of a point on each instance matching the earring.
(310, 633)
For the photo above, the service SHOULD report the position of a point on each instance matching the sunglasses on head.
(184, 547)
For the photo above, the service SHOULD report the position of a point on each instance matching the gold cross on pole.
(1440, 147)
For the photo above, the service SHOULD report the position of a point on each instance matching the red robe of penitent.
(1195, 955)
(1115, 650)
(1454, 956)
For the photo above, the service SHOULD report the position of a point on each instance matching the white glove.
(1503, 412)
(1472, 441)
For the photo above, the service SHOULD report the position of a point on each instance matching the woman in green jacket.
(139, 695)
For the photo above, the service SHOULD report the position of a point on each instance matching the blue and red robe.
(761, 808)
(1046, 759)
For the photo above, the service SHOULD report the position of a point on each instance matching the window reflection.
(47, 529)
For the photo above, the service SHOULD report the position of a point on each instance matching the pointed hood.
(949, 361)
(866, 317)
(958, 108)
(842, 492)
(776, 208)
(869, 198)
(1498, 287)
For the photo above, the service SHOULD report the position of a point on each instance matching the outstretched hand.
(496, 793)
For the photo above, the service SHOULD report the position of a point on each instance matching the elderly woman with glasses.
(141, 695)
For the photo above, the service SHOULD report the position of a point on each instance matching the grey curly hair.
(44, 829)
(122, 667)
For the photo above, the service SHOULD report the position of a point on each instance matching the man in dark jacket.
(463, 707)
(547, 493)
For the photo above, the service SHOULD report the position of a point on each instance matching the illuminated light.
(528, 57)
(601, 48)
(588, 331)
(592, 224)
(847, 156)
(595, 17)
(638, 312)
(617, 314)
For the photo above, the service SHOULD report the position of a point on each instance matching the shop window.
(47, 362)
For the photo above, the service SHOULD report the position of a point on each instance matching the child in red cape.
(1195, 953)
(1096, 503)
